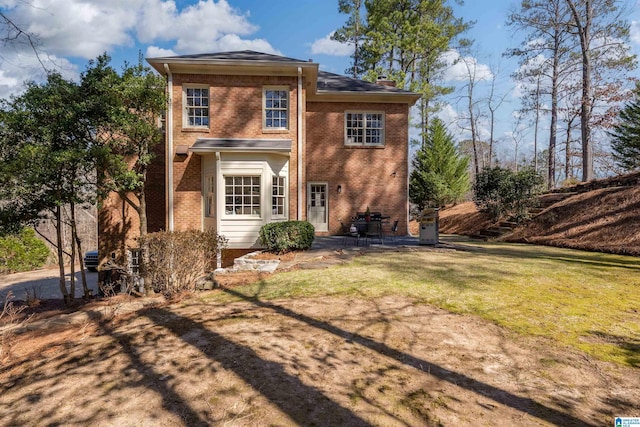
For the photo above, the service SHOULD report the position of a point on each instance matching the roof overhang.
(234, 67)
(359, 96)
(241, 145)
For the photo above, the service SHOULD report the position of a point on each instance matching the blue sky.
(73, 31)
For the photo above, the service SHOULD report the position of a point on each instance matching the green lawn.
(590, 301)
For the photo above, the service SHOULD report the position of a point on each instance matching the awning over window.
(212, 145)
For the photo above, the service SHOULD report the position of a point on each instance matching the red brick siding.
(365, 174)
(156, 190)
(235, 112)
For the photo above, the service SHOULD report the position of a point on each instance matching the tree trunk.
(76, 238)
(63, 286)
(493, 116)
(142, 213)
(535, 129)
(584, 32)
(551, 170)
(568, 172)
(472, 120)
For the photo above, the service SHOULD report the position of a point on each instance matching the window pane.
(197, 106)
(276, 109)
(242, 195)
(364, 128)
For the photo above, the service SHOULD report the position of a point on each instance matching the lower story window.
(279, 196)
(242, 195)
(210, 208)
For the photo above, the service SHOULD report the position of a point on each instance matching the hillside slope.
(604, 220)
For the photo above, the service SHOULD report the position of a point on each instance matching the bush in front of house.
(175, 261)
(504, 193)
(22, 252)
(287, 236)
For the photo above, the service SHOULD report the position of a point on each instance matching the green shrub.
(504, 193)
(176, 261)
(287, 236)
(22, 252)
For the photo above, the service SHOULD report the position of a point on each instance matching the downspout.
(299, 156)
(408, 203)
(169, 127)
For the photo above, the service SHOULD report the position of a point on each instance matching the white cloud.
(158, 52)
(228, 42)
(448, 115)
(78, 28)
(635, 32)
(18, 68)
(87, 28)
(461, 68)
(326, 46)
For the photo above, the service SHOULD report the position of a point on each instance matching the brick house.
(253, 138)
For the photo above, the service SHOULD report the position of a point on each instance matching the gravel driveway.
(44, 282)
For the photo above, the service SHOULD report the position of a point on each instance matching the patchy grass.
(589, 301)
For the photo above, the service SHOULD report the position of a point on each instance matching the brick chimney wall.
(383, 81)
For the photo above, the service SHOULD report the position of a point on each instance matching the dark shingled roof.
(240, 144)
(241, 55)
(326, 83)
(330, 82)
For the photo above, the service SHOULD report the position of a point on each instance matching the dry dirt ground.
(606, 220)
(325, 362)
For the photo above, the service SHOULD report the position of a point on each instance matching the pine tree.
(626, 135)
(440, 173)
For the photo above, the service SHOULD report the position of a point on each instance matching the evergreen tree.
(626, 135)
(404, 40)
(440, 173)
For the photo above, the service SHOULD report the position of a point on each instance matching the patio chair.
(374, 231)
(348, 234)
(394, 231)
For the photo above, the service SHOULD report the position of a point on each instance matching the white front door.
(317, 207)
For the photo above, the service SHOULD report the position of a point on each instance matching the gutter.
(299, 156)
(169, 157)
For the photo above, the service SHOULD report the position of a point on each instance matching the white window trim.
(224, 195)
(210, 195)
(185, 113)
(364, 144)
(285, 210)
(264, 107)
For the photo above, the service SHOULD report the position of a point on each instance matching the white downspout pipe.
(408, 203)
(169, 127)
(299, 156)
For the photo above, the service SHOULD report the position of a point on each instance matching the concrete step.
(489, 233)
(478, 237)
(500, 229)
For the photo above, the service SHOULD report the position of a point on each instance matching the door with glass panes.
(317, 206)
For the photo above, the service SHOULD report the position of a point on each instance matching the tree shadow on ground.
(629, 346)
(301, 402)
(574, 256)
(500, 396)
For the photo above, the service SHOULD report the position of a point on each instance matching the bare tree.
(548, 38)
(603, 36)
(15, 34)
(472, 106)
(494, 101)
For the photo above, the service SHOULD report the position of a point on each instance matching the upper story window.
(196, 102)
(363, 128)
(275, 108)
